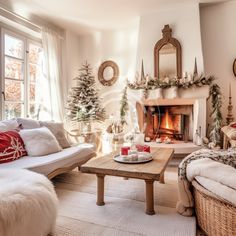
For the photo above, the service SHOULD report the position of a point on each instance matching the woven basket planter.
(215, 216)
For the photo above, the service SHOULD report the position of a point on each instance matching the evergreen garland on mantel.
(197, 82)
(151, 83)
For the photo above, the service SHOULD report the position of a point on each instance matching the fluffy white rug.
(28, 204)
(123, 214)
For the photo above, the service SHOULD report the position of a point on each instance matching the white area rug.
(121, 216)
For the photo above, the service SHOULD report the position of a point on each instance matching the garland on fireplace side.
(216, 102)
(124, 107)
(197, 82)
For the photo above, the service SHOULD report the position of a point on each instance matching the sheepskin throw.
(28, 204)
(39, 142)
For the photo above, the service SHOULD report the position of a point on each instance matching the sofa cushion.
(47, 164)
(28, 123)
(58, 131)
(39, 142)
(7, 125)
(11, 146)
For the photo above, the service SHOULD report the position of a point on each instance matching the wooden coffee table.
(149, 172)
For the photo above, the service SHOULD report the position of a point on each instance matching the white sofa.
(56, 163)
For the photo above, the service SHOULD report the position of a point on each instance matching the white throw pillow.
(58, 131)
(39, 142)
(7, 125)
(28, 123)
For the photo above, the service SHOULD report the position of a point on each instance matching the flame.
(167, 121)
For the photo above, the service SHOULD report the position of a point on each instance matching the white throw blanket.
(206, 166)
(28, 204)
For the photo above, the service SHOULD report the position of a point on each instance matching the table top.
(105, 165)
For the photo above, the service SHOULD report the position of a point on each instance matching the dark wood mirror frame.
(234, 67)
(167, 38)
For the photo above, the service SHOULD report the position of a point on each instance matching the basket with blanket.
(207, 187)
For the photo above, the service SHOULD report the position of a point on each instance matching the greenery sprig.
(124, 107)
(216, 101)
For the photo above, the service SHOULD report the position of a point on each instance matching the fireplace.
(172, 122)
(190, 108)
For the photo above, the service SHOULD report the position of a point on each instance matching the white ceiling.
(80, 15)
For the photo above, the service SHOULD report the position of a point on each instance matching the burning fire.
(167, 122)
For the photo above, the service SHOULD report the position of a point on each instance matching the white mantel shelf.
(168, 101)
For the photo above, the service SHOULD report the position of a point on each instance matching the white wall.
(119, 46)
(185, 23)
(128, 46)
(219, 46)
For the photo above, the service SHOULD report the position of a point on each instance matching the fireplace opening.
(168, 122)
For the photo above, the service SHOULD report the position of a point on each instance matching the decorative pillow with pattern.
(11, 146)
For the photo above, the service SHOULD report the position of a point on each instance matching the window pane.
(34, 72)
(13, 68)
(35, 53)
(34, 110)
(32, 92)
(13, 110)
(14, 90)
(14, 47)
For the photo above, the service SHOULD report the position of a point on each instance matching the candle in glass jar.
(125, 150)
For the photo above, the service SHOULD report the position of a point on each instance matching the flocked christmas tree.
(83, 103)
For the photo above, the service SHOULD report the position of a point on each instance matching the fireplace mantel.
(167, 101)
(197, 97)
(189, 93)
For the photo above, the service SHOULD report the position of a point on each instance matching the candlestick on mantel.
(230, 117)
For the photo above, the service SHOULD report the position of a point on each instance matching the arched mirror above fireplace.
(167, 56)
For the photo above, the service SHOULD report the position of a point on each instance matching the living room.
(117, 118)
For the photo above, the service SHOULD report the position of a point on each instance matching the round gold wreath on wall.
(110, 79)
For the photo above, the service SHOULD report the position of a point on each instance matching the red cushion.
(11, 146)
(233, 125)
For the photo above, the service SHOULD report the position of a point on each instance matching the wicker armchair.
(215, 216)
(227, 141)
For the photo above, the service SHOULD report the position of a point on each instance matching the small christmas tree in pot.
(83, 103)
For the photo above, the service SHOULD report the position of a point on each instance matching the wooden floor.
(166, 195)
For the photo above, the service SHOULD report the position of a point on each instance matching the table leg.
(100, 190)
(149, 197)
(162, 179)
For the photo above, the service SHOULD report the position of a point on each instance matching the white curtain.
(51, 87)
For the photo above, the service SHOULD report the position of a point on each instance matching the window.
(21, 72)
